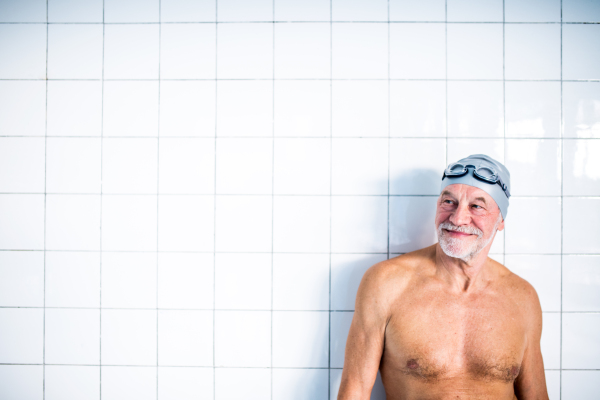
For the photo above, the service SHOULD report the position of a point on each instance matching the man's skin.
(440, 327)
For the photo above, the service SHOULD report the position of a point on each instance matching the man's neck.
(464, 276)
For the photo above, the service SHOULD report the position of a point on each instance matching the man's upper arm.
(364, 346)
(531, 382)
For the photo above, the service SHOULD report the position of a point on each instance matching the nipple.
(412, 364)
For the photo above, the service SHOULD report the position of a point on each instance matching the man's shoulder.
(518, 289)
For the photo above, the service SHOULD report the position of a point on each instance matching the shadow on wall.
(411, 227)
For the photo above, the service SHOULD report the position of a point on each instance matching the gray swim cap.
(480, 174)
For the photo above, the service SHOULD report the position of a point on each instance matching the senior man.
(447, 321)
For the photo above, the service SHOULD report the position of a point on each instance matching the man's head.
(472, 205)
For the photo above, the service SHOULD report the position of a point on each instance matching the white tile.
(22, 219)
(245, 51)
(22, 381)
(475, 109)
(302, 108)
(300, 384)
(416, 165)
(186, 223)
(359, 224)
(475, 51)
(75, 11)
(186, 166)
(580, 225)
(300, 339)
(359, 10)
(128, 337)
(185, 383)
(242, 339)
(188, 51)
(309, 10)
(417, 108)
(532, 109)
(359, 51)
(243, 11)
(23, 11)
(131, 51)
(580, 49)
(461, 148)
(131, 11)
(533, 225)
(580, 11)
(129, 165)
(302, 51)
(347, 271)
(532, 10)
(243, 281)
(25, 47)
(123, 383)
(243, 223)
(188, 10)
(66, 382)
(340, 325)
(535, 165)
(581, 283)
(23, 105)
(251, 384)
(72, 336)
(301, 281)
(581, 167)
(73, 222)
(22, 332)
(300, 165)
(580, 349)
(21, 279)
(244, 108)
(301, 224)
(22, 164)
(553, 382)
(359, 166)
(75, 51)
(412, 223)
(187, 108)
(425, 10)
(532, 51)
(378, 392)
(185, 338)
(335, 380)
(185, 280)
(581, 109)
(475, 11)
(128, 280)
(407, 58)
(73, 165)
(130, 108)
(550, 342)
(129, 223)
(244, 166)
(580, 385)
(543, 272)
(72, 279)
(74, 108)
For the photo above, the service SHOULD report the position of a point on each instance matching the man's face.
(466, 220)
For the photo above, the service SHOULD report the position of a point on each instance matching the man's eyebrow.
(446, 193)
(481, 199)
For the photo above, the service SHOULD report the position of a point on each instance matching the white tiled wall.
(191, 190)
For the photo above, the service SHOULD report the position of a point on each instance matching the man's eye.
(448, 201)
(476, 206)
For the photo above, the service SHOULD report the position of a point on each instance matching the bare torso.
(440, 343)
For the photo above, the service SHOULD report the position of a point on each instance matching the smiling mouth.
(458, 234)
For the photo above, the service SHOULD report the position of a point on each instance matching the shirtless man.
(446, 321)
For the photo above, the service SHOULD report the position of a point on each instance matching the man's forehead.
(470, 192)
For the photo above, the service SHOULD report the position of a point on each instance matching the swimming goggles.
(486, 174)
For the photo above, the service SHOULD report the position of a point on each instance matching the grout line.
(158, 189)
(561, 199)
(446, 71)
(289, 80)
(504, 109)
(330, 192)
(45, 217)
(101, 200)
(214, 377)
(272, 188)
(389, 122)
(304, 137)
(307, 21)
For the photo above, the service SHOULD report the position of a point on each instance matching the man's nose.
(461, 215)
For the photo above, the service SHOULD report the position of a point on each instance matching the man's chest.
(435, 338)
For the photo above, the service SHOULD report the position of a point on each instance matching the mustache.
(471, 230)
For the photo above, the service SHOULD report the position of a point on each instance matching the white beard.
(458, 248)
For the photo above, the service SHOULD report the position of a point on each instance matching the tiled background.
(191, 190)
